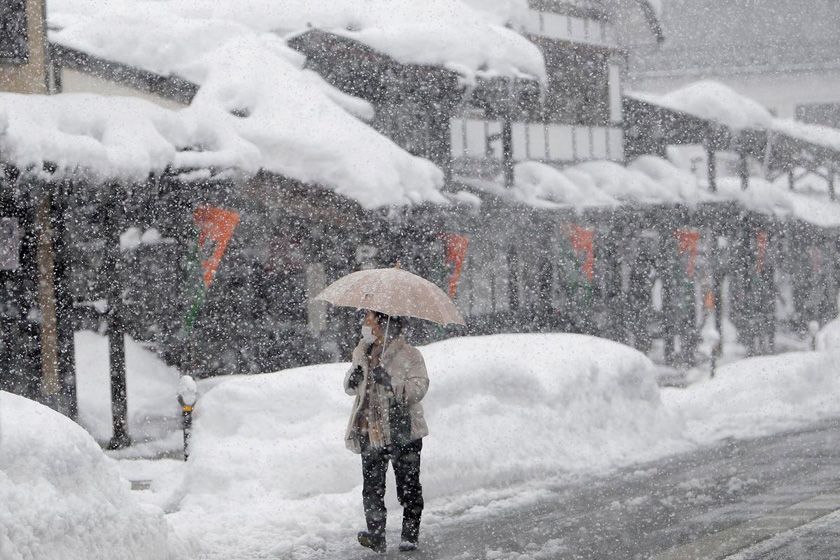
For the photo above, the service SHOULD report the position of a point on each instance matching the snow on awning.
(290, 121)
(712, 101)
(719, 103)
(115, 137)
(647, 181)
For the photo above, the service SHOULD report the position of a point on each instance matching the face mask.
(367, 334)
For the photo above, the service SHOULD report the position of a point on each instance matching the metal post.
(187, 395)
(507, 151)
(831, 193)
(791, 179)
(717, 290)
(743, 170)
(711, 169)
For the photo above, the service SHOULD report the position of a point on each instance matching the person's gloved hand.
(355, 377)
(379, 375)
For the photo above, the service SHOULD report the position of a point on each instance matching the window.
(13, 36)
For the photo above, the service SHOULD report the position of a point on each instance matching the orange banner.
(456, 254)
(687, 240)
(215, 228)
(583, 242)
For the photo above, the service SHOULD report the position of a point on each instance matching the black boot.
(372, 541)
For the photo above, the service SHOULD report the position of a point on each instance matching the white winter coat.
(409, 383)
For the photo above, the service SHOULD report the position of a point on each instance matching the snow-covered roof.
(717, 102)
(651, 180)
(713, 101)
(290, 121)
(815, 134)
(111, 137)
(467, 39)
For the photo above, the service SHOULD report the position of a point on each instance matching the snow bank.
(62, 499)
(269, 457)
(760, 396)
(153, 411)
(828, 338)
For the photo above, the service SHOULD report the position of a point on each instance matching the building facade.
(23, 47)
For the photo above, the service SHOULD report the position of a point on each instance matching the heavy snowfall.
(457, 279)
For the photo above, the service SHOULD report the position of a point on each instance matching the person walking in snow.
(388, 378)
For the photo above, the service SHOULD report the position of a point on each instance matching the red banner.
(687, 240)
(583, 243)
(215, 227)
(456, 254)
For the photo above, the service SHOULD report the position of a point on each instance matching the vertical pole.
(116, 327)
(711, 169)
(507, 151)
(186, 419)
(791, 179)
(717, 294)
(50, 383)
(743, 170)
(831, 173)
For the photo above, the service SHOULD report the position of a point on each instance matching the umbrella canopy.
(394, 292)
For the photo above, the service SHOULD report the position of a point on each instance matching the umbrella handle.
(385, 341)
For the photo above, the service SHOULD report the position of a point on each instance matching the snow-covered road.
(729, 499)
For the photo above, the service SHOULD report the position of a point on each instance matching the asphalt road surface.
(768, 498)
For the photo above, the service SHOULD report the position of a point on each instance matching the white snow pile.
(61, 498)
(653, 180)
(815, 134)
(681, 184)
(464, 37)
(714, 101)
(268, 454)
(717, 102)
(535, 182)
(632, 184)
(153, 410)
(117, 137)
(806, 182)
(828, 337)
(776, 199)
(291, 122)
(760, 396)
(597, 184)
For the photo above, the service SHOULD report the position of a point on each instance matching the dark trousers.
(406, 462)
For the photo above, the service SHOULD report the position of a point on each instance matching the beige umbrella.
(395, 292)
